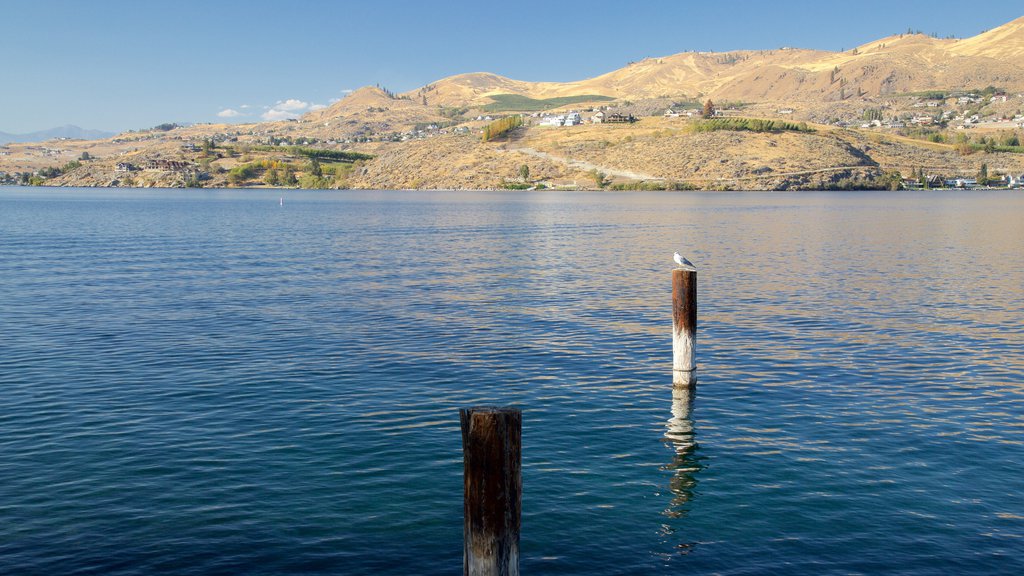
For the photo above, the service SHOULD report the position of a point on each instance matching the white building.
(962, 183)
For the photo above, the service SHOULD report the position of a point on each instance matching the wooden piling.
(492, 454)
(684, 327)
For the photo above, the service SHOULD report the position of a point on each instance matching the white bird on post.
(683, 262)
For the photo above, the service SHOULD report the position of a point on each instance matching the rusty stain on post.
(684, 327)
(492, 476)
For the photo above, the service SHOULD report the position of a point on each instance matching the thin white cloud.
(291, 104)
(245, 106)
(229, 113)
(289, 109)
(275, 115)
(347, 91)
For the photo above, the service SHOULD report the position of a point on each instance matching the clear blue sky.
(114, 65)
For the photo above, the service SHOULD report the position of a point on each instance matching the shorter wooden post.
(684, 327)
(492, 455)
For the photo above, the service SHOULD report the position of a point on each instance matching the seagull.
(683, 262)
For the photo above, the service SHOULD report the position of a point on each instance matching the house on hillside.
(1012, 181)
(573, 119)
(619, 119)
(552, 121)
(125, 167)
(963, 183)
(597, 118)
(168, 165)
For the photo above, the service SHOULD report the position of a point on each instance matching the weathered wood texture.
(684, 326)
(492, 459)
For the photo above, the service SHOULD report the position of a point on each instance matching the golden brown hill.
(369, 110)
(659, 151)
(1005, 42)
(416, 142)
(893, 65)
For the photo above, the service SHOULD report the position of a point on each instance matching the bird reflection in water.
(685, 463)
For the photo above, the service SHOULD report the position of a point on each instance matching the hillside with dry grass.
(790, 119)
(892, 65)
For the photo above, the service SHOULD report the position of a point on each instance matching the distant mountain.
(68, 131)
(894, 65)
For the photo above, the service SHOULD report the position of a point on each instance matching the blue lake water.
(206, 382)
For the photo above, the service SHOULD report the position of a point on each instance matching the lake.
(210, 382)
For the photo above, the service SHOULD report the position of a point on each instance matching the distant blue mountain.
(68, 131)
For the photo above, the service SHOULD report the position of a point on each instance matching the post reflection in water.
(685, 465)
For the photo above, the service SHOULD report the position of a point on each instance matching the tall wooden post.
(684, 327)
(492, 455)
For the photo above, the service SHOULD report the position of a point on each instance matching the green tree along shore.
(52, 172)
(313, 175)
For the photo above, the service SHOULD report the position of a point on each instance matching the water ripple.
(202, 382)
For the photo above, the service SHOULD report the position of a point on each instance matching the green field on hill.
(517, 103)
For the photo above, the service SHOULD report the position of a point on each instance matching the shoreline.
(511, 191)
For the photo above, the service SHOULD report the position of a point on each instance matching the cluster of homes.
(961, 120)
(428, 131)
(570, 119)
(575, 119)
(45, 150)
(691, 113)
(186, 168)
(963, 183)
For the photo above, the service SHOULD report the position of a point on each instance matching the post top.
(491, 410)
